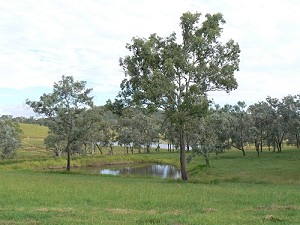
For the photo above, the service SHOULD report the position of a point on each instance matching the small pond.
(154, 170)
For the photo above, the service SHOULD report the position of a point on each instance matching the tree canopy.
(69, 109)
(164, 73)
(10, 137)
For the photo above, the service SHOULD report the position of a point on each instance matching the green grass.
(33, 130)
(270, 167)
(33, 141)
(54, 198)
(234, 190)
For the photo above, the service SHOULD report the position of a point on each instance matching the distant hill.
(33, 130)
(33, 140)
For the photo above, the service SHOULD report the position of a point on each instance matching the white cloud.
(42, 40)
(17, 110)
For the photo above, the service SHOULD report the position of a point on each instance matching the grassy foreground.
(234, 190)
(50, 198)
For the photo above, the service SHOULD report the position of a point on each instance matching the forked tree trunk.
(239, 148)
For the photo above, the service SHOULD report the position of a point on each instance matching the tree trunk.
(279, 146)
(85, 146)
(148, 148)
(257, 147)
(158, 147)
(244, 154)
(99, 149)
(206, 159)
(187, 143)
(261, 141)
(111, 149)
(239, 148)
(297, 140)
(182, 156)
(92, 148)
(68, 158)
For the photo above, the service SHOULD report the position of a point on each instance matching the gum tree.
(175, 76)
(137, 129)
(240, 124)
(10, 137)
(285, 114)
(261, 116)
(66, 107)
(294, 125)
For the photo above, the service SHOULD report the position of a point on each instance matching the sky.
(42, 40)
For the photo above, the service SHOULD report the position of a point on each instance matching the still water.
(154, 170)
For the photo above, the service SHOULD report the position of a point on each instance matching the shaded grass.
(270, 167)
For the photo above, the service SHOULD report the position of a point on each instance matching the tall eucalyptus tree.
(162, 73)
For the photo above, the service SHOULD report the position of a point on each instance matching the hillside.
(33, 140)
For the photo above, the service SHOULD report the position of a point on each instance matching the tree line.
(78, 127)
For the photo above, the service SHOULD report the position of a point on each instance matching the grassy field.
(33, 140)
(234, 190)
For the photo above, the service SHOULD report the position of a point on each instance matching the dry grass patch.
(208, 210)
(7, 222)
(53, 210)
(271, 218)
(279, 207)
(131, 211)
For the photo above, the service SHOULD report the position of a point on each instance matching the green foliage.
(69, 109)
(55, 142)
(10, 137)
(285, 119)
(137, 129)
(239, 125)
(162, 73)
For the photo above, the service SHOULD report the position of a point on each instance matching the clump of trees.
(10, 137)
(267, 123)
(71, 115)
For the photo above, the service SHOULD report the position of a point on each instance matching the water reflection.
(156, 170)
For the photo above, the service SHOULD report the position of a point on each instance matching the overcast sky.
(42, 40)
